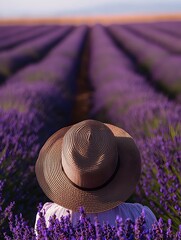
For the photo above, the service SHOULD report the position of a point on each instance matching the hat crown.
(89, 154)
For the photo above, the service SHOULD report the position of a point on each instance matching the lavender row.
(172, 28)
(33, 33)
(85, 228)
(29, 52)
(162, 67)
(124, 98)
(11, 31)
(168, 42)
(31, 112)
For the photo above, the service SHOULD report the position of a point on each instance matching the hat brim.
(60, 190)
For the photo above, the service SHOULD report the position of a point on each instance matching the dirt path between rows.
(82, 100)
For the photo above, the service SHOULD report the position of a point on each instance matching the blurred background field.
(91, 20)
(61, 64)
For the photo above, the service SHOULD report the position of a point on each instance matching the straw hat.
(90, 164)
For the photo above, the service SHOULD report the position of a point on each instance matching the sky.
(58, 8)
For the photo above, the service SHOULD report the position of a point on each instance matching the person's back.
(124, 210)
(92, 165)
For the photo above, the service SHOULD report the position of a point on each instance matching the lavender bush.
(13, 30)
(170, 43)
(30, 112)
(123, 97)
(39, 99)
(24, 54)
(86, 229)
(171, 28)
(158, 62)
(33, 33)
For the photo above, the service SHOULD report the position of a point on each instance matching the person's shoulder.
(50, 206)
(47, 206)
(149, 213)
(139, 208)
(135, 205)
(146, 209)
(49, 209)
(134, 210)
(130, 208)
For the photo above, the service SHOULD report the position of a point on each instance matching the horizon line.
(94, 19)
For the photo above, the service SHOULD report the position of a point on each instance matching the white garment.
(124, 210)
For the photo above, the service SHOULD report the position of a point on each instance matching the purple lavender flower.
(31, 114)
(85, 229)
(123, 97)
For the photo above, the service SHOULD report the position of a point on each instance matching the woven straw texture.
(86, 155)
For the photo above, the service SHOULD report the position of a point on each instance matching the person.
(93, 165)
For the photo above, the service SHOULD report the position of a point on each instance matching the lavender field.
(52, 76)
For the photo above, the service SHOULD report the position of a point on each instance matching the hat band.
(99, 187)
